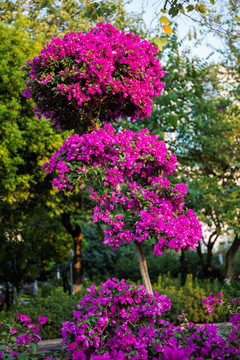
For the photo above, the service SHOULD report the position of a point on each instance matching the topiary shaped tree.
(85, 80)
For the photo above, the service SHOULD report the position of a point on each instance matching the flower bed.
(121, 321)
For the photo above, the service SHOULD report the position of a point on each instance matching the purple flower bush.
(137, 201)
(101, 75)
(121, 321)
(118, 318)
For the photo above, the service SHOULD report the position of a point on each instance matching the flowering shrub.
(103, 74)
(122, 321)
(137, 201)
(119, 318)
(211, 301)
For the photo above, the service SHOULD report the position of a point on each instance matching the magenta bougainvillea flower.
(42, 320)
(101, 75)
(211, 301)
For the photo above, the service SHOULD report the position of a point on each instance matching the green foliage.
(188, 298)
(25, 143)
(58, 308)
(26, 225)
(45, 19)
(98, 259)
(127, 267)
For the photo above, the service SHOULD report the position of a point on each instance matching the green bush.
(58, 307)
(188, 298)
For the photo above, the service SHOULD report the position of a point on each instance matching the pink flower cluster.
(26, 338)
(136, 201)
(103, 74)
(211, 301)
(118, 317)
(121, 321)
(21, 342)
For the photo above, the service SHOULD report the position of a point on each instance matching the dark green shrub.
(58, 308)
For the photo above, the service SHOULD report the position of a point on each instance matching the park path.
(50, 345)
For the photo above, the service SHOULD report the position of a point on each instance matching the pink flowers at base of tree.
(127, 175)
(121, 321)
(118, 318)
(101, 75)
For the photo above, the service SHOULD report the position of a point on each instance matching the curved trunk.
(143, 268)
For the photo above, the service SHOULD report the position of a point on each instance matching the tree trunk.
(229, 270)
(77, 263)
(143, 268)
(66, 285)
(183, 262)
(77, 236)
(200, 254)
(209, 269)
(184, 266)
(207, 265)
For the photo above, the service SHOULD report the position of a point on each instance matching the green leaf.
(34, 348)
(164, 40)
(202, 9)
(190, 8)
(23, 356)
(212, 2)
(173, 12)
(164, 20)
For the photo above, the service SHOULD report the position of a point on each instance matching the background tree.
(25, 145)
(51, 18)
(220, 18)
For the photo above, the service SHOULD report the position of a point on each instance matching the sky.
(184, 25)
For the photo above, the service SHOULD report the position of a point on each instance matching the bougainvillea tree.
(86, 80)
